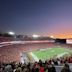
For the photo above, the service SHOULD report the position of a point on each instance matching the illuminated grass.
(50, 53)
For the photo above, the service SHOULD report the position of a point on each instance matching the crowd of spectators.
(12, 52)
(5, 39)
(32, 67)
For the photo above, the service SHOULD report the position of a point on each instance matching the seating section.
(35, 67)
(6, 39)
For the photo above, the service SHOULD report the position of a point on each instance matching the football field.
(48, 53)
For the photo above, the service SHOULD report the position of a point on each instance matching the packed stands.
(6, 39)
(34, 67)
(12, 52)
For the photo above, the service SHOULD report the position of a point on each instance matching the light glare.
(11, 33)
(35, 36)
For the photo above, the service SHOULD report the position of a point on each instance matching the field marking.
(57, 55)
(60, 55)
(34, 56)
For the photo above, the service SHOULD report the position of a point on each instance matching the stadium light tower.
(11, 33)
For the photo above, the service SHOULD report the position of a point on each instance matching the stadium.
(34, 51)
(35, 35)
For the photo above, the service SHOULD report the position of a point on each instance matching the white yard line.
(34, 56)
(60, 55)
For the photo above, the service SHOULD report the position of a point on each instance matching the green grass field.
(50, 53)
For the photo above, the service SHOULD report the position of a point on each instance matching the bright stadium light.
(35, 36)
(11, 33)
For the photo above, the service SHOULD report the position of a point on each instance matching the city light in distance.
(52, 36)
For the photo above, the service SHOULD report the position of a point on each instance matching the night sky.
(43, 17)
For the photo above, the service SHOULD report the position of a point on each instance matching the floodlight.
(35, 36)
(11, 33)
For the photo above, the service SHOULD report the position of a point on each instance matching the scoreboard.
(69, 41)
